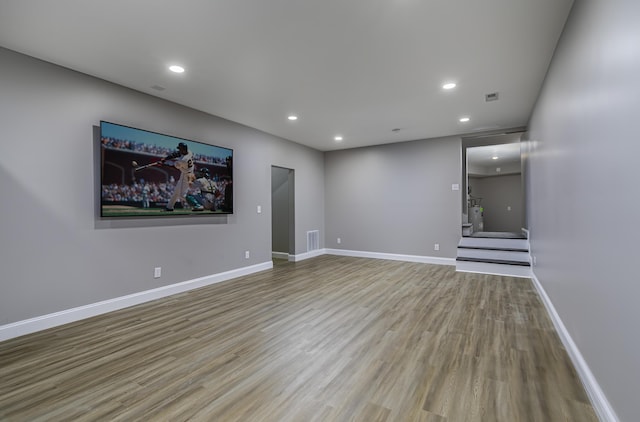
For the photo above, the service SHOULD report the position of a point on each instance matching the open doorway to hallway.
(494, 233)
(493, 205)
(282, 213)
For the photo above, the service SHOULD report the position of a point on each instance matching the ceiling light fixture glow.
(464, 119)
(292, 117)
(176, 69)
(449, 85)
(338, 138)
(495, 157)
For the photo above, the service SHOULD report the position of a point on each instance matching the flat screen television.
(148, 174)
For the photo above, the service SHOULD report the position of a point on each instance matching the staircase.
(494, 254)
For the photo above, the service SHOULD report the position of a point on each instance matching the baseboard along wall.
(598, 400)
(55, 319)
(393, 257)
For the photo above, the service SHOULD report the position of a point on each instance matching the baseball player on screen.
(182, 159)
(206, 198)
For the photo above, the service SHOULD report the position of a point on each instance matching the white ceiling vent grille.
(313, 240)
(491, 97)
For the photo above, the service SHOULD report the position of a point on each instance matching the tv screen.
(148, 174)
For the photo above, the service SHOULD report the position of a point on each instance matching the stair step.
(491, 268)
(500, 235)
(493, 255)
(494, 244)
(495, 261)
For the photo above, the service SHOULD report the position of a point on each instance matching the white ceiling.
(358, 68)
(483, 156)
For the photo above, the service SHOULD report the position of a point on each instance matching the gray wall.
(583, 190)
(57, 253)
(498, 193)
(395, 198)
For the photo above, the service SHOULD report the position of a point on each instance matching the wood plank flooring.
(326, 339)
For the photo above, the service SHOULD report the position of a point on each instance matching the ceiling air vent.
(491, 97)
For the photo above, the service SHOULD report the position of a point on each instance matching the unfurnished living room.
(278, 210)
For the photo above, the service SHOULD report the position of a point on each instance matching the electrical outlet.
(339, 241)
(157, 272)
(436, 247)
(247, 254)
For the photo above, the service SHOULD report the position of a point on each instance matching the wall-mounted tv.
(148, 174)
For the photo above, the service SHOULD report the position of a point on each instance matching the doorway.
(493, 201)
(282, 213)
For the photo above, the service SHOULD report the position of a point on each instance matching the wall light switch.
(259, 209)
(455, 186)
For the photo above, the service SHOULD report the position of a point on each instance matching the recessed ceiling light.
(449, 85)
(464, 119)
(292, 117)
(495, 157)
(338, 138)
(176, 69)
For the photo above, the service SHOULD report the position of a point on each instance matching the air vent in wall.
(313, 240)
(491, 97)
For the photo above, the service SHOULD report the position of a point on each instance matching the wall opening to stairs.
(493, 188)
(493, 172)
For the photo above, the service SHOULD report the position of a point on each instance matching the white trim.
(488, 255)
(374, 255)
(307, 255)
(280, 255)
(392, 257)
(599, 401)
(488, 243)
(55, 319)
(493, 269)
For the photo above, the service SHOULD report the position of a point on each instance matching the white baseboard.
(393, 257)
(55, 319)
(307, 255)
(279, 255)
(599, 401)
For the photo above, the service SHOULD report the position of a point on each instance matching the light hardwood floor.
(326, 339)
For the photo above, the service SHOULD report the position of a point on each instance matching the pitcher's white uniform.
(184, 163)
